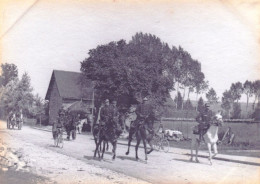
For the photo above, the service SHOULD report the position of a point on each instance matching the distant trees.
(248, 91)
(200, 107)
(231, 97)
(211, 96)
(178, 101)
(256, 91)
(8, 72)
(16, 94)
(227, 102)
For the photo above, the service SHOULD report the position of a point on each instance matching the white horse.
(80, 125)
(211, 138)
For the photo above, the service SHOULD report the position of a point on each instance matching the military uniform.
(204, 119)
(143, 111)
(105, 115)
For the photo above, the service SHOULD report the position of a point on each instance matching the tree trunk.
(177, 95)
(247, 100)
(183, 98)
(197, 94)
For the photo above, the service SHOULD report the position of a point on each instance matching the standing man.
(204, 119)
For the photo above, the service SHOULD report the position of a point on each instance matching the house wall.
(54, 103)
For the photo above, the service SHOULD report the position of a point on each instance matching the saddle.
(201, 128)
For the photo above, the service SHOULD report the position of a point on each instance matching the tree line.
(17, 94)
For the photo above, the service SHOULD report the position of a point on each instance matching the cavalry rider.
(105, 114)
(204, 119)
(115, 117)
(59, 124)
(143, 111)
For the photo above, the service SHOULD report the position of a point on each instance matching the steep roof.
(69, 86)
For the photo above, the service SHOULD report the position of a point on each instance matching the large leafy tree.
(130, 71)
(8, 73)
(211, 96)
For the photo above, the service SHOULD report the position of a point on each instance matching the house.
(65, 90)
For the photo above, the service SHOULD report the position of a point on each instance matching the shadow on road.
(127, 158)
(230, 160)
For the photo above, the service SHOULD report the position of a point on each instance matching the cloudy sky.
(42, 35)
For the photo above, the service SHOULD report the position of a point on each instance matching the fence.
(245, 131)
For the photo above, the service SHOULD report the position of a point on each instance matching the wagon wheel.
(165, 145)
(156, 144)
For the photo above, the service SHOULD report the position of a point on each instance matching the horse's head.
(217, 120)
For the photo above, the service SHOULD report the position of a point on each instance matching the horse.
(107, 133)
(80, 125)
(142, 132)
(96, 131)
(210, 138)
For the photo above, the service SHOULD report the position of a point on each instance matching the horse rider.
(143, 111)
(105, 114)
(115, 118)
(59, 124)
(204, 119)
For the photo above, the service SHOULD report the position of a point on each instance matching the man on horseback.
(59, 124)
(204, 119)
(105, 113)
(115, 118)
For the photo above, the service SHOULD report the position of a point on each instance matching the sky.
(42, 35)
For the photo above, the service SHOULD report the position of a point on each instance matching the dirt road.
(75, 162)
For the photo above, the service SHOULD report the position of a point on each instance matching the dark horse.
(107, 133)
(143, 131)
(96, 131)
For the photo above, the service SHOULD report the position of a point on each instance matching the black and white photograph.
(129, 91)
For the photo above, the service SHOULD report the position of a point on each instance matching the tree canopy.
(143, 67)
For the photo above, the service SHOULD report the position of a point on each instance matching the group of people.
(66, 121)
(111, 120)
(110, 116)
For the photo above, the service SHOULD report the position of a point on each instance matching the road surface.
(160, 167)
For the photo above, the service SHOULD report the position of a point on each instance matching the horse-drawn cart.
(12, 123)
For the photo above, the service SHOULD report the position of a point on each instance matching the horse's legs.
(191, 149)
(210, 154)
(114, 150)
(104, 146)
(136, 147)
(144, 142)
(107, 146)
(129, 140)
(215, 150)
(197, 150)
(97, 148)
